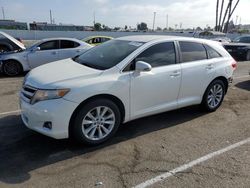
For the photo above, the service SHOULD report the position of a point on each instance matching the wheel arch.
(113, 98)
(12, 59)
(223, 79)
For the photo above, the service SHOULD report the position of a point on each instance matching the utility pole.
(236, 21)
(50, 14)
(167, 22)
(3, 13)
(154, 21)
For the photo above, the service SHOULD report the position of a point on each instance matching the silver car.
(42, 52)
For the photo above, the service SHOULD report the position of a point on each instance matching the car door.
(69, 49)
(197, 72)
(157, 90)
(44, 53)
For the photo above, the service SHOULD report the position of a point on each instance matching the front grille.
(27, 93)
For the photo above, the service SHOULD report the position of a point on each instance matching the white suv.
(88, 97)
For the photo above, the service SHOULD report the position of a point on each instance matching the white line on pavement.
(10, 112)
(190, 164)
(240, 77)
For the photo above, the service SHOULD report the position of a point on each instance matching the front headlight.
(42, 95)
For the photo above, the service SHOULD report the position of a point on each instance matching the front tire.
(96, 122)
(12, 68)
(213, 96)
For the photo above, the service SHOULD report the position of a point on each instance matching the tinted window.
(245, 39)
(108, 54)
(159, 55)
(50, 45)
(192, 51)
(212, 53)
(96, 40)
(68, 44)
(105, 39)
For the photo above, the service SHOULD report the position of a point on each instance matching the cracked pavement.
(141, 150)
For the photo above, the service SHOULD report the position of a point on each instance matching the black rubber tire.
(248, 55)
(77, 122)
(204, 103)
(12, 68)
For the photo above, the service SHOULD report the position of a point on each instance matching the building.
(44, 26)
(12, 24)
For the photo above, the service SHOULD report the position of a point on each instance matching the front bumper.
(57, 111)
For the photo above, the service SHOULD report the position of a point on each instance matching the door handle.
(78, 50)
(210, 66)
(54, 53)
(175, 74)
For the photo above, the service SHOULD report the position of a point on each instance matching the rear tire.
(213, 96)
(96, 122)
(12, 68)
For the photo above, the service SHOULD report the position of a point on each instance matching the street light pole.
(154, 21)
(167, 22)
(3, 13)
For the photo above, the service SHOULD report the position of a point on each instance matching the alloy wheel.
(215, 96)
(98, 123)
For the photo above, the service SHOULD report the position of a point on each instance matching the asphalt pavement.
(181, 148)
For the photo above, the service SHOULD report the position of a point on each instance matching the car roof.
(97, 36)
(59, 38)
(149, 38)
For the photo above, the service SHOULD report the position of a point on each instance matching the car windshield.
(108, 54)
(237, 39)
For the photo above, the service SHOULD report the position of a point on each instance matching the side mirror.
(141, 66)
(36, 49)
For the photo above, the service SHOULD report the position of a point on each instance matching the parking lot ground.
(142, 149)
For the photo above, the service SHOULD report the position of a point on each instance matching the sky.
(188, 13)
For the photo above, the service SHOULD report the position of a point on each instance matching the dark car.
(239, 48)
(242, 39)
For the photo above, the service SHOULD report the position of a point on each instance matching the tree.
(158, 29)
(126, 27)
(142, 26)
(98, 26)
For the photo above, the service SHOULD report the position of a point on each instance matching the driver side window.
(157, 55)
(49, 45)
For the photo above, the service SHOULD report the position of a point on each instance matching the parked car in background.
(9, 43)
(239, 51)
(213, 35)
(122, 80)
(96, 40)
(242, 39)
(42, 52)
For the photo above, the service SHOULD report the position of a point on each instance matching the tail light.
(234, 64)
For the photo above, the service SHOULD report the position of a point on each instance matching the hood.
(18, 43)
(54, 74)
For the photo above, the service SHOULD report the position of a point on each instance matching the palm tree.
(217, 8)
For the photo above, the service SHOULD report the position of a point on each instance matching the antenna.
(94, 17)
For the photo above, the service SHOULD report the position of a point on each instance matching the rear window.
(212, 53)
(69, 44)
(192, 51)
